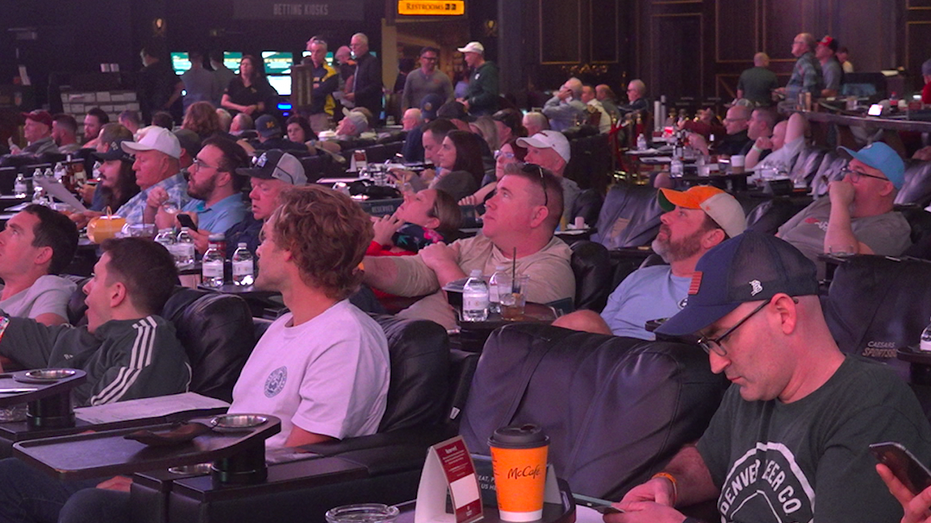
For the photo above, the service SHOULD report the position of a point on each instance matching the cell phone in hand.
(602, 506)
(186, 221)
(903, 464)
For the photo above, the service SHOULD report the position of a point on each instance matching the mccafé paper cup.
(518, 458)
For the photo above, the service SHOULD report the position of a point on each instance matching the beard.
(202, 192)
(673, 251)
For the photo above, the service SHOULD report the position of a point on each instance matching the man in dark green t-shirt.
(796, 424)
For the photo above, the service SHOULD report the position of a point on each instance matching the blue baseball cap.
(880, 156)
(750, 267)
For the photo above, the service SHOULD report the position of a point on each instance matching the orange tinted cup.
(518, 457)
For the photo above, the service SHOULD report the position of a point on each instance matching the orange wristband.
(672, 479)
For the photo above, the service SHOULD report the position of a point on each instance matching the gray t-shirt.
(49, 294)
(650, 293)
(887, 234)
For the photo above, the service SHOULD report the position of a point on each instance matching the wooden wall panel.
(782, 20)
(917, 37)
(561, 32)
(676, 42)
(603, 39)
(736, 30)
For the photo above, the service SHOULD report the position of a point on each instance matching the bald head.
(761, 60)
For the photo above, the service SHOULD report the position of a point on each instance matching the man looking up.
(520, 219)
(36, 244)
(831, 70)
(636, 94)
(158, 173)
(482, 96)
(790, 441)
(737, 139)
(325, 82)
(273, 172)
(858, 216)
(426, 80)
(694, 221)
(131, 352)
(215, 189)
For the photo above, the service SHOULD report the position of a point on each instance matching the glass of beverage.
(513, 302)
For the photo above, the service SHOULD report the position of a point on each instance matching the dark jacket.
(367, 83)
(483, 90)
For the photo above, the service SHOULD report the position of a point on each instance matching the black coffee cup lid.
(524, 436)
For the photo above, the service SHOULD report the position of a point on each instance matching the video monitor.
(180, 62)
(277, 62)
(281, 83)
(231, 60)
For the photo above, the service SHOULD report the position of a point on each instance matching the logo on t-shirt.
(275, 382)
(767, 485)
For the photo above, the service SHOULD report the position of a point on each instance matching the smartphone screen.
(906, 467)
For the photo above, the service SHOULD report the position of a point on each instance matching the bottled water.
(641, 143)
(243, 266)
(676, 169)
(19, 186)
(166, 238)
(212, 265)
(184, 249)
(925, 344)
(494, 290)
(60, 171)
(475, 298)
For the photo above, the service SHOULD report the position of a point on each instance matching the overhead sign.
(347, 10)
(431, 7)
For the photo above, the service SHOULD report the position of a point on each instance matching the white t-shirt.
(48, 294)
(327, 376)
(650, 293)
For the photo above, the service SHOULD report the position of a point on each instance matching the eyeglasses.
(855, 175)
(710, 345)
(726, 120)
(499, 153)
(203, 165)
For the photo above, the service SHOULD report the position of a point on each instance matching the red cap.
(39, 116)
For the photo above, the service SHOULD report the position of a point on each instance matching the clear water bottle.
(641, 142)
(166, 238)
(475, 298)
(676, 169)
(243, 266)
(60, 171)
(184, 249)
(212, 265)
(494, 290)
(925, 344)
(19, 186)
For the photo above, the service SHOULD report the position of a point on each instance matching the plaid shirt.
(806, 77)
(177, 192)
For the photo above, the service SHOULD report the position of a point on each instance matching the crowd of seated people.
(316, 247)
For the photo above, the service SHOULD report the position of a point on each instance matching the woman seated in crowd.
(425, 217)
(460, 157)
(508, 154)
(201, 118)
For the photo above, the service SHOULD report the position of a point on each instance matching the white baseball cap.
(154, 138)
(473, 47)
(548, 140)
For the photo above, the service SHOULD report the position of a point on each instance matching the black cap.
(278, 165)
(115, 152)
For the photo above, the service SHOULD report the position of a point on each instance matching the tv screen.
(231, 60)
(277, 62)
(281, 83)
(180, 62)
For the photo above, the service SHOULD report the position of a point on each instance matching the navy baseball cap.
(750, 267)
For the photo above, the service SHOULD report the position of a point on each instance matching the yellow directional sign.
(431, 7)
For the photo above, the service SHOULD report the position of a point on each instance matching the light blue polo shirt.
(220, 216)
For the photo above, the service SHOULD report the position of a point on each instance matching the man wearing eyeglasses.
(790, 441)
(215, 189)
(858, 216)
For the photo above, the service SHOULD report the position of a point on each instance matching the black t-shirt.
(259, 91)
(773, 460)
